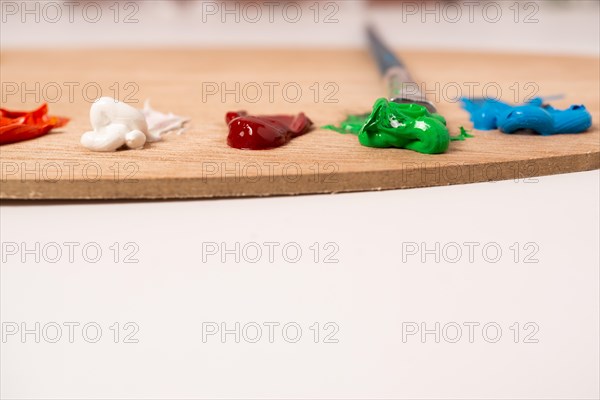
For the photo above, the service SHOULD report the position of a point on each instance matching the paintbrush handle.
(400, 85)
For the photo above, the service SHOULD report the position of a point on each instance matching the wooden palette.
(198, 163)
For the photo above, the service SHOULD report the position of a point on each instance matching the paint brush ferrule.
(402, 89)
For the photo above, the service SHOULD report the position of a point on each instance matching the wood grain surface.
(326, 85)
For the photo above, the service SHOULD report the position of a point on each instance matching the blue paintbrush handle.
(400, 85)
(386, 60)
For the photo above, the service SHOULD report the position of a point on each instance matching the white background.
(369, 293)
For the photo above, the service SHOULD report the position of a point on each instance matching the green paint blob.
(406, 126)
(352, 124)
(462, 136)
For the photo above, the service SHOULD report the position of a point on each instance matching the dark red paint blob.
(264, 131)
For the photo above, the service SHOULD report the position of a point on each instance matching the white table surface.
(376, 291)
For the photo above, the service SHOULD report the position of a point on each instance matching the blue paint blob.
(488, 114)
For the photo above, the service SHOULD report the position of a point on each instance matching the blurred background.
(551, 26)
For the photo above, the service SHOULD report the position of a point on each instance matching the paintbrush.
(401, 86)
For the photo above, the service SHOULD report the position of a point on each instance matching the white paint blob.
(159, 123)
(116, 124)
